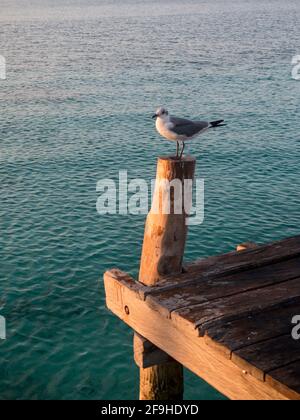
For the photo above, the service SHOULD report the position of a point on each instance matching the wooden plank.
(194, 317)
(185, 347)
(147, 354)
(286, 380)
(259, 359)
(127, 280)
(233, 333)
(235, 262)
(211, 289)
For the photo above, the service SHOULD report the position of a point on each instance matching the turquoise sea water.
(83, 79)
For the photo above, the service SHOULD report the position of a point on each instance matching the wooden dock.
(226, 318)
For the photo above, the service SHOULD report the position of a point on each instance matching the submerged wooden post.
(162, 254)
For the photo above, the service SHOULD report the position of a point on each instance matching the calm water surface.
(83, 78)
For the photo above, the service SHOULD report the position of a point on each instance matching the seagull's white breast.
(164, 128)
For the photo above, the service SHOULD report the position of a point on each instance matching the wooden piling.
(165, 234)
(162, 254)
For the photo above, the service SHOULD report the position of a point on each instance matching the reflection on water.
(83, 79)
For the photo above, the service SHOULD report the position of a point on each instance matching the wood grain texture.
(190, 350)
(195, 317)
(165, 234)
(234, 333)
(162, 254)
(147, 355)
(160, 382)
(206, 290)
(228, 319)
(286, 380)
(235, 262)
(275, 353)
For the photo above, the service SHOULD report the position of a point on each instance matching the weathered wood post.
(162, 254)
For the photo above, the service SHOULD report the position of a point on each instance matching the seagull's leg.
(183, 146)
(177, 149)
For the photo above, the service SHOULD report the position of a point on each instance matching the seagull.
(180, 129)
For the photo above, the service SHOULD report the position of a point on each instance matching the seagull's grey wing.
(180, 121)
(183, 127)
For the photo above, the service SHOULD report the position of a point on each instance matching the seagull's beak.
(154, 116)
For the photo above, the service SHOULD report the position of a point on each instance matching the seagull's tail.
(216, 124)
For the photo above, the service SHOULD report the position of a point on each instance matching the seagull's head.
(161, 113)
